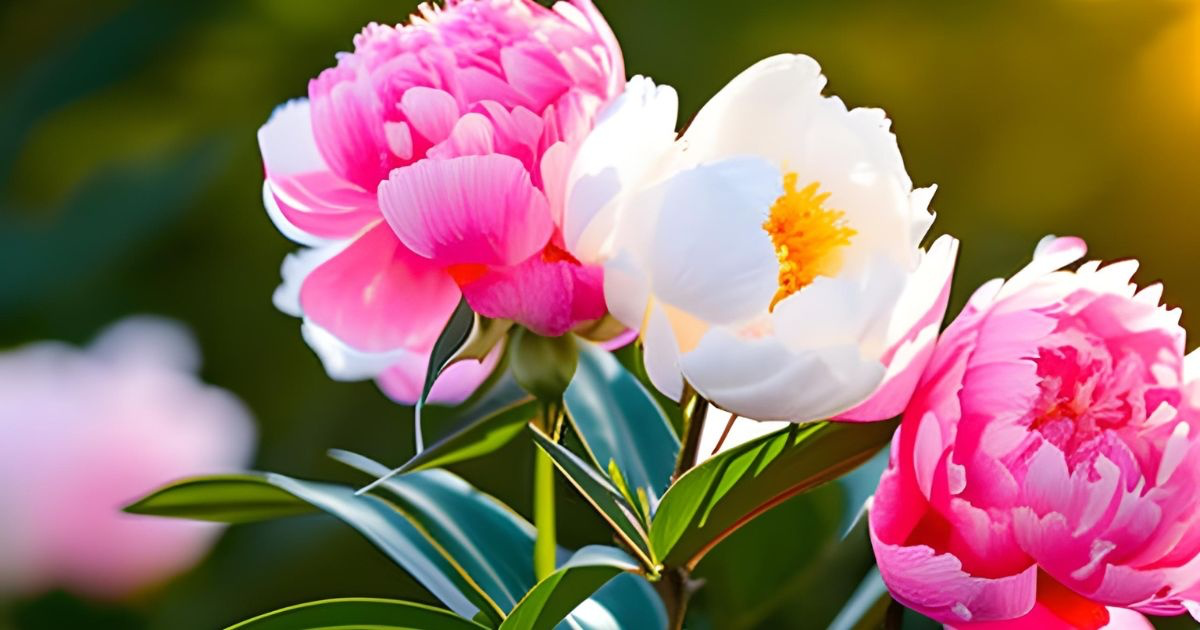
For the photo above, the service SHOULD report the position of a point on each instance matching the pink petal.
(403, 381)
(431, 112)
(934, 584)
(479, 209)
(548, 296)
(378, 295)
(303, 196)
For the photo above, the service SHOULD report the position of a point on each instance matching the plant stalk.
(676, 586)
(545, 545)
(695, 408)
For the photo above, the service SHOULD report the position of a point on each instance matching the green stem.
(545, 545)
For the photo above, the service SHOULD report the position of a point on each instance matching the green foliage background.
(130, 182)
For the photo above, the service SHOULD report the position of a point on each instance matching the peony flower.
(430, 164)
(84, 433)
(771, 255)
(1048, 465)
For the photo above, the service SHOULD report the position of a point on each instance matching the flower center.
(807, 236)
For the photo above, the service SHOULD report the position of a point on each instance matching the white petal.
(626, 145)
(850, 309)
(286, 140)
(775, 109)
(709, 254)
(285, 227)
(761, 378)
(626, 289)
(344, 363)
(661, 354)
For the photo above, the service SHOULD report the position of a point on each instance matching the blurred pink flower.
(430, 163)
(84, 433)
(1048, 465)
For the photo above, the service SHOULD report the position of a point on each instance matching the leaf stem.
(545, 545)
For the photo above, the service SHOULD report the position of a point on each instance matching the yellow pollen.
(807, 236)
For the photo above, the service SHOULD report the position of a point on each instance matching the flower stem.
(545, 545)
(695, 408)
(676, 586)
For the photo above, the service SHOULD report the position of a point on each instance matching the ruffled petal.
(304, 198)
(479, 209)
(644, 117)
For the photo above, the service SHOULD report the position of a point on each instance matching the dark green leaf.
(221, 498)
(488, 425)
(359, 612)
(728, 490)
(453, 337)
(552, 599)
(244, 498)
(485, 538)
(618, 421)
(403, 541)
(597, 490)
(494, 546)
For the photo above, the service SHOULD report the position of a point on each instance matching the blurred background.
(130, 182)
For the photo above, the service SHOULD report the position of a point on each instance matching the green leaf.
(494, 546)
(488, 425)
(359, 612)
(453, 337)
(245, 498)
(597, 490)
(488, 541)
(725, 492)
(552, 599)
(544, 366)
(618, 421)
(221, 498)
(401, 539)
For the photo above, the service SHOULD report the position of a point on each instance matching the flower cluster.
(770, 261)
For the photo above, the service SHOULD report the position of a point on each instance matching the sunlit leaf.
(359, 612)
(728, 490)
(618, 421)
(552, 599)
(222, 498)
(597, 490)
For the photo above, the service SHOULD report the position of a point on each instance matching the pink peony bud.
(1048, 466)
(431, 163)
(84, 433)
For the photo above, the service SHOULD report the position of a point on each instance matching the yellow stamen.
(807, 236)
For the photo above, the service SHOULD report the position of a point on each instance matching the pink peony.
(83, 433)
(1048, 465)
(429, 164)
